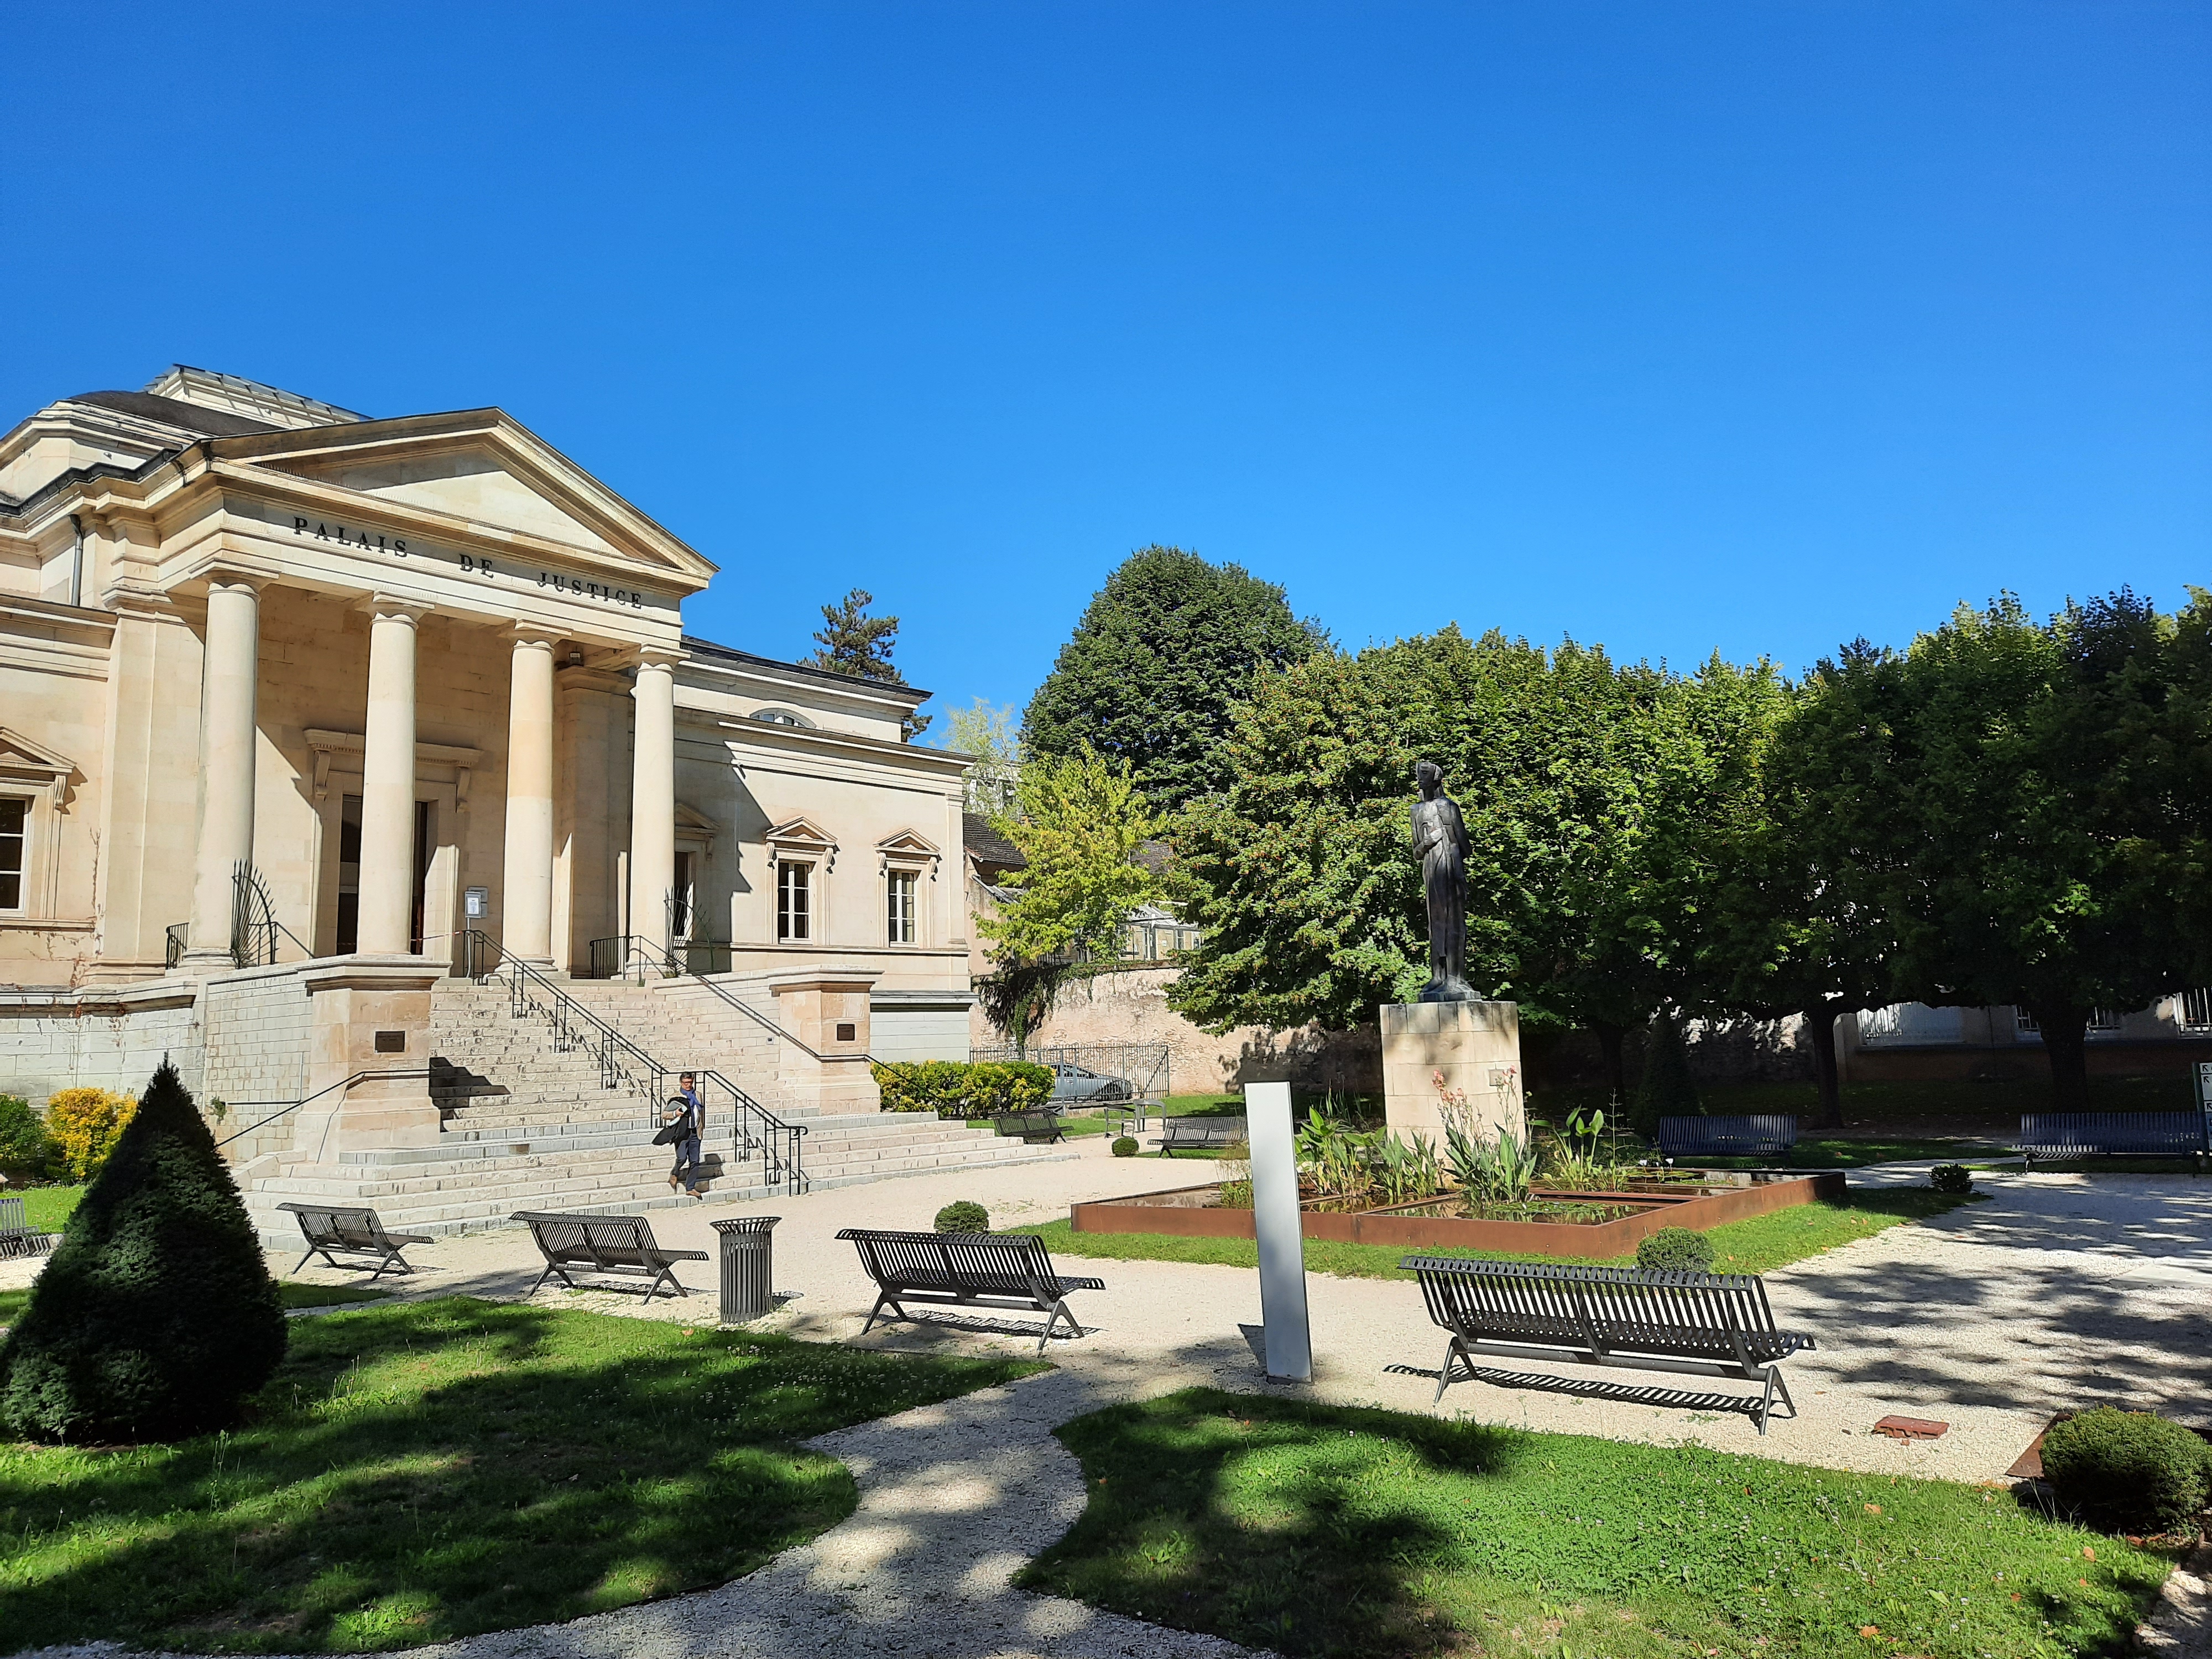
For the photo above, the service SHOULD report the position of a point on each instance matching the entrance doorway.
(418, 864)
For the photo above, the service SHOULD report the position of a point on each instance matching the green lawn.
(1325, 1530)
(294, 1294)
(1757, 1246)
(48, 1208)
(421, 1470)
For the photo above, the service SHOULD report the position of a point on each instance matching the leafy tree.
(852, 642)
(1587, 791)
(156, 1315)
(1161, 655)
(26, 1149)
(1668, 1090)
(990, 736)
(2030, 761)
(1078, 823)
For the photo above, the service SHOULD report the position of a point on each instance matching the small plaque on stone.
(391, 1043)
(848, 1032)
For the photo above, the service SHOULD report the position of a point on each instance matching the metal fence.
(1145, 1064)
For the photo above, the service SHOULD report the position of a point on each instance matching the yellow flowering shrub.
(85, 1124)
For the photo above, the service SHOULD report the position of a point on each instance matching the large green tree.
(852, 642)
(2041, 843)
(1587, 788)
(1162, 653)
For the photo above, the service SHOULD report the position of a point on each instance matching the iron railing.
(253, 926)
(178, 935)
(618, 955)
(755, 1130)
(287, 1106)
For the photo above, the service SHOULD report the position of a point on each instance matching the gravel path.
(2056, 1292)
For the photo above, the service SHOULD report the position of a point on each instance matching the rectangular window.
(2196, 1009)
(15, 833)
(901, 894)
(794, 906)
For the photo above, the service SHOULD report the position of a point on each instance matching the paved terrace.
(2056, 1292)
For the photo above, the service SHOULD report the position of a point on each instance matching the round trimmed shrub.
(156, 1315)
(2130, 1471)
(1675, 1249)
(1125, 1146)
(1951, 1178)
(961, 1217)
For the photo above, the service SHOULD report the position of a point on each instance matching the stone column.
(526, 880)
(228, 673)
(387, 780)
(652, 801)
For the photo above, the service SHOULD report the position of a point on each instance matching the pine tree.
(156, 1315)
(853, 643)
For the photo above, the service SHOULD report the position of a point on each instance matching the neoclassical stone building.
(292, 696)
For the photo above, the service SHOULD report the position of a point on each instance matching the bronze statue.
(1440, 842)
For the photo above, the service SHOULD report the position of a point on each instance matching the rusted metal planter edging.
(1185, 1213)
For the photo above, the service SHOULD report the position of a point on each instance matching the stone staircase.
(529, 1126)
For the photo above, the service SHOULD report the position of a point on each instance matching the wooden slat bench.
(621, 1245)
(1761, 1134)
(1707, 1324)
(977, 1270)
(17, 1236)
(1038, 1128)
(1202, 1133)
(2111, 1134)
(333, 1227)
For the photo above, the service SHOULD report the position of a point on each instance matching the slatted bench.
(621, 1245)
(330, 1228)
(17, 1236)
(2112, 1134)
(1707, 1324)
(1038, 1128)
(1201, 1134)
(976, 1270)
(1762, 1135)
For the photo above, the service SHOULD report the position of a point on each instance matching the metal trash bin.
(748, 1268)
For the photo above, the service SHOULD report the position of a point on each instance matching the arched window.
(783, 717)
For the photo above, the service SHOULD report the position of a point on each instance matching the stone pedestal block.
(1459, 1061)
(826, 1008)
(372, 1015)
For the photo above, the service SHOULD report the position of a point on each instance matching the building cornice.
(818, 740)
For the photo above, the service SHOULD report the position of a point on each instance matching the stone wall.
(260, 1024)
(110, 1040)
(1129, 1005)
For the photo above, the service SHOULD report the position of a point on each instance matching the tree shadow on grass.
(435, 1470)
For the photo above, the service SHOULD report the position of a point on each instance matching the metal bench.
(17, 1236)
(623, 1245)
(979, 1270)
(332, 1227)
(1035, 1128)
(1201, 1134)
(1708, 1324)
(2112, 1134)
(1754, 1135)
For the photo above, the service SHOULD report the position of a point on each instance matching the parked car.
(1074, 1083)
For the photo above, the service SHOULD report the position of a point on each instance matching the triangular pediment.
(801, 832)
(908, 843)
(18, 754)
(477, 471)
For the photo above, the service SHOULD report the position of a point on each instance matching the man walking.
(690, 1169)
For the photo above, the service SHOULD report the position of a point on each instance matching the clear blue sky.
(1671, 325)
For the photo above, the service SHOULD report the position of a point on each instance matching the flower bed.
(1442, 1224)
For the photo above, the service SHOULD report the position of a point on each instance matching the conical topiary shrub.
(156, 1315)
(1668, 1090)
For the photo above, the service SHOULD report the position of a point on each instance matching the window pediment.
(908, 850)
(801, 841)
(22, 761)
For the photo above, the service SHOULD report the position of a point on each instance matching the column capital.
(233, 576)
(524, 633)
(380, 606)
(657, 656)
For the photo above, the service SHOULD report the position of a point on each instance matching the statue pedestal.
(1461, 1056)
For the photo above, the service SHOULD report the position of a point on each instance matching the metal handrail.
(754, 1127)
(294, 1105)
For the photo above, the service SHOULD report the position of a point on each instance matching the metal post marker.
(1275, 1221)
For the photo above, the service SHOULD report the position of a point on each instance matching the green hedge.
(953, 1088)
